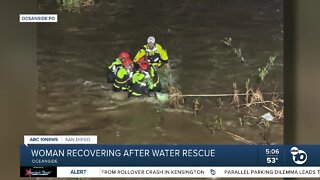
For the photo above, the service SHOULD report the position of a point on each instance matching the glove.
(143, 84)
(130, 75)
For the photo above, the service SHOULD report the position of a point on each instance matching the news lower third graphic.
(82, 157)
(34, 18)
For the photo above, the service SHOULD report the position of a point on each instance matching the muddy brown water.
(73, 54)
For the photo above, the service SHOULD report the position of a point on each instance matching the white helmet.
(151, 39)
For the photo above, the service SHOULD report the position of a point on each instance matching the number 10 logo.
(298, 156)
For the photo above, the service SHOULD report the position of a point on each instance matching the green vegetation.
(216, 124)
(263, 72)
(237, 51)
(74, 5)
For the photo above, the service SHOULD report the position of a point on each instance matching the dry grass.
(220, 103)
(197, 106)
(257, 96)
(254, 101)
(175, 97)
(253, 98)
(276, 108)
(87, 3)
(248, 97)
(236, 99)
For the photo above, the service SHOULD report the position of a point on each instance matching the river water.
(73, 97)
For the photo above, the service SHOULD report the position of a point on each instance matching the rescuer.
(154, 53)
(112, 69)
(123, 76)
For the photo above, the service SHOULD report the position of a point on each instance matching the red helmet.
(123, 55)
(127, 63)
(144, 66)
(142, 60)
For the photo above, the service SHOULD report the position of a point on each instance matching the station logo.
(213, 172)
(298, 156)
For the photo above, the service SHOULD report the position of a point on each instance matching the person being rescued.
(154, 52)
(144, 81)
(152, 72)
(123, 76)
(116, 64)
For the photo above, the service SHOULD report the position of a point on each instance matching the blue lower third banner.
(138, 155)
(169, 161)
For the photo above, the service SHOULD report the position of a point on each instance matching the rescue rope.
(217, 95)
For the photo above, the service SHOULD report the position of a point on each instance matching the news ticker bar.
(169, 155)
(171, 172)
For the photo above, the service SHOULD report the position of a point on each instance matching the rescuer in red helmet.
(112, 69)
(123, 76)
(145, 80)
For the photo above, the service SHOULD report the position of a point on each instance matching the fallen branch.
(178, 110)
(262, 102)
(239, 138)
(268, 108)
